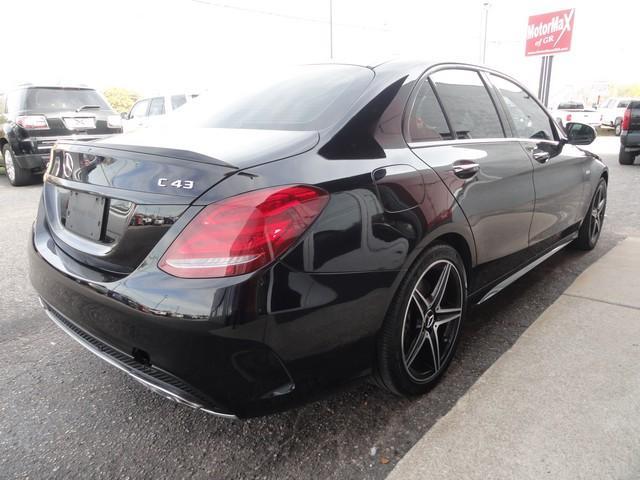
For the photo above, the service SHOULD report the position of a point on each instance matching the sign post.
(548, 34)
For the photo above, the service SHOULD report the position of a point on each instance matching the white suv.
(144, 111)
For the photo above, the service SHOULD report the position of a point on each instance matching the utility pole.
(485, 18)
(331, 29)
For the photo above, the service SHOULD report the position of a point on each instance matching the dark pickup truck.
(630, 137)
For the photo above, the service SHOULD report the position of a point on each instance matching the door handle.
(465, 170)
(540, 156)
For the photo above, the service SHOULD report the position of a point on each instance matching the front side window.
(139, 109)
(529, 119)
(467, 103)
(426, 121)
(623, 104)
(156, 107)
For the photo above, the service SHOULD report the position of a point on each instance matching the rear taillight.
(626, 119)
(569, 117)
(33, 122)
(241, 234)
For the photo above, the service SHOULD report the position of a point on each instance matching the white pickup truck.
(575, 112)
(612, 111)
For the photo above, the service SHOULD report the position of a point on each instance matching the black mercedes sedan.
(329, 223)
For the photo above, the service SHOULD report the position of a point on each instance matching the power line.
(286, 16)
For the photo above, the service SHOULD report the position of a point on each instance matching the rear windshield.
(571, 106)
(58, 99)
(304, 98)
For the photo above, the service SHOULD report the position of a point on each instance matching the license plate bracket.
(85, 215)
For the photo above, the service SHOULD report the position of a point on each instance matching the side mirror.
(579, 133)
(124, 115)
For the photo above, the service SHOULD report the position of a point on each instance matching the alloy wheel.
(9, 166)
(597, 213)
(431, 321)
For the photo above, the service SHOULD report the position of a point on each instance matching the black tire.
(618, 127)
(626, 158)
(406, 322)
(17, 176)
(590, 229)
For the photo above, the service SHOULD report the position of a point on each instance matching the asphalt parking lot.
(64, 413)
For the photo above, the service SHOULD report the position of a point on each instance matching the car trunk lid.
(84, 123)
(108, 202)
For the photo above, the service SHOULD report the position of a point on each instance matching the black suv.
(34, 117)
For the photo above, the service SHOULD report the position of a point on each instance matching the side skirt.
(526, 269)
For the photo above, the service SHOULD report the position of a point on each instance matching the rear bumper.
(630, 140)
(196, 361)
(32, 153)
(241, 346)
(184, 339)
(35, 162)
(155, 380)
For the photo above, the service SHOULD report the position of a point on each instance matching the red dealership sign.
(550, 33)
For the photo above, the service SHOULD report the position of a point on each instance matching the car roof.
(47, 85)
(170, 94)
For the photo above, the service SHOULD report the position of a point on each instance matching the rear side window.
(426, 121)
(157, 106)
(467, 103)
(177, 101)
(529, 119)
(139, 109)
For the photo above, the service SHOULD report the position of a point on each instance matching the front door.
(558, 170)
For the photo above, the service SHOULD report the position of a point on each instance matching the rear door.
(488, 173)
(559, 171)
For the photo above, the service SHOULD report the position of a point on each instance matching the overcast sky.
(174, 45)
